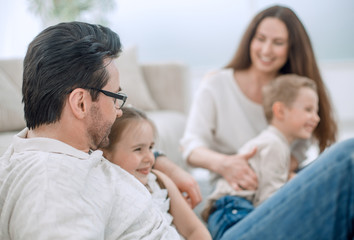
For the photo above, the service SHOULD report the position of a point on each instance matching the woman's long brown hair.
(301, 61)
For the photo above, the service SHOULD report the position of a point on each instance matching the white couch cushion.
(6, 140)
(170, 126)
(132, 81)
(11, 108)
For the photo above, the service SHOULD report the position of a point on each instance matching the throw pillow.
(11, 108)
(132, 81)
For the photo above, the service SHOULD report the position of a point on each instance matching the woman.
(227, 110)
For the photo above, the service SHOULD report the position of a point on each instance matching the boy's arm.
(185, 220)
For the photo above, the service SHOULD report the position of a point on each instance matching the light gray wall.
(198, 32)
(205, 33)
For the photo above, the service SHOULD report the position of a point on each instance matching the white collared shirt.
(50, 190)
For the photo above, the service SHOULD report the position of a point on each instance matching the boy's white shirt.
(271, 164)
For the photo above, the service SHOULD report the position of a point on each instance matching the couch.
(157, 88)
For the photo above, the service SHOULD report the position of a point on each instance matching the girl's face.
(134, 152)
(301, 117)
(269, 46)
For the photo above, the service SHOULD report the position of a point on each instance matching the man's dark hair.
(61, 58)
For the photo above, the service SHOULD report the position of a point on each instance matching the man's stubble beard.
(99, 129)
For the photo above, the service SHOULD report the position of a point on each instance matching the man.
(53, 185)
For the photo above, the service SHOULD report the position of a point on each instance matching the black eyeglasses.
(121, 97)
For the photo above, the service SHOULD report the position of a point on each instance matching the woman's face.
(269, 46)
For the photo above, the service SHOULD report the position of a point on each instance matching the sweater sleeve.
(201, 121)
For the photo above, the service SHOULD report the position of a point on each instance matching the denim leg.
(228, 211)
(317, 204)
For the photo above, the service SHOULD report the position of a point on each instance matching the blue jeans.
(227, 211)
(317, 204)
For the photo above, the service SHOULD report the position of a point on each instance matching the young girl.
(131, 147)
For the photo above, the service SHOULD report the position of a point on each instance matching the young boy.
(290, 104)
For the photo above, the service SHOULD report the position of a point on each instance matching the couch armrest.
(167, 83)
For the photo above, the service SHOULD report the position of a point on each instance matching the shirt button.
(234, 211)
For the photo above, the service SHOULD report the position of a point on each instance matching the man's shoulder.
(77, 188)
(134, 210)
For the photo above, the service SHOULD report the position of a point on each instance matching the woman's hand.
(237, 172)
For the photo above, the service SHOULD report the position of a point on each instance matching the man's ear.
(77, 102)
(278, 109)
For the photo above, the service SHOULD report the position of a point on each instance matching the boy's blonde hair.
(285, 89)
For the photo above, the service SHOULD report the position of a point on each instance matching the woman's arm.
(234, 168)
(203, 124)
(185, 220)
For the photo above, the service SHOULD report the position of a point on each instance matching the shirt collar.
(50, 145)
